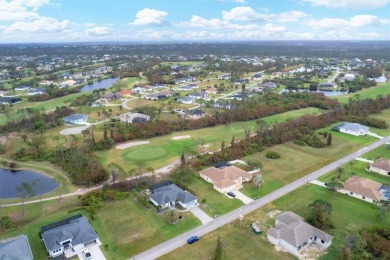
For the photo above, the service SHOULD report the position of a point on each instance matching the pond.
(105, 83)
(10, 179)
(328, 93)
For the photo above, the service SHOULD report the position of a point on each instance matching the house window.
(322, 241)
(299, 248)
(351, 193)
(364, 197)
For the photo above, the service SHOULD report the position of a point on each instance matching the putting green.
(145, 154)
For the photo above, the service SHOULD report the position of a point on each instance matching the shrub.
(272, 155)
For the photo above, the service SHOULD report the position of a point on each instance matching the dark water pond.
(105, 83)
(9, 180)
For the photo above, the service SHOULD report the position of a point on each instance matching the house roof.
(76, 228)
(354, 127)
(125, 92)
(364, 187)
(383, 164)
(168, 192)
(195, 112)
(224, 177)
(292, 229)
(16, 248)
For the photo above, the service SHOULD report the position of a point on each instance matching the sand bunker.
(181, 137)
(130, 144)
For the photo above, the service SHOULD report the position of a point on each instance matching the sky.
(30, 21)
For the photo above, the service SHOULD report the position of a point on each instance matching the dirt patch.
(130, 144)
(131, 238)
(273, 213)
(181, 137)
(311, 252)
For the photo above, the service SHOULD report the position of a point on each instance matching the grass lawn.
(297, 161)
(380, 152)
(217, 203)
(357, 168)
(385, 116)
(242, 243)
(349, 214)
(373, 92)
(135, 228)
(163, 150)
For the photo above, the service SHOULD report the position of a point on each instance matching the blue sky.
(23, 21)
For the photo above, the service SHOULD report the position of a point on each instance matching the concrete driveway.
(96, 253)
(203, 217)
(245, 199)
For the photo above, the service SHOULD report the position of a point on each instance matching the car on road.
(87, 254)
(231, 194)
(192, 239)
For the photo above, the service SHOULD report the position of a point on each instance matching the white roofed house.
(351, 128)
(293, 234)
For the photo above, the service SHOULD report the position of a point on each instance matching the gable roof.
(292, 229)
(364, 187)
(16, 248)
(225, 177)
(76, 228)
(383, 164)
(354, 127)
(169, 192)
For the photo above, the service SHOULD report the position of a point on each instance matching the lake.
(328, 93)
(105, 83)
(10, 179)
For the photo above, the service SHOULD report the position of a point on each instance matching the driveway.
(243, 197)
(96, 253)
(74, 130)
(203, 217)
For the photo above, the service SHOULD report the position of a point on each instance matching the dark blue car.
(192, 239)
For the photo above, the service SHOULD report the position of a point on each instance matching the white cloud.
(269, 27)
(243, 13)
(89, 24)
(150, 17)
(99, 31)
(356, 21)
(214, 23)
(359, 4)
(239, 1)
(41, 24)
(290, 16)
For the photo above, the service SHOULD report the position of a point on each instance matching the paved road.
(180, 240)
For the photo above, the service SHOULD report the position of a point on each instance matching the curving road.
(180, 240)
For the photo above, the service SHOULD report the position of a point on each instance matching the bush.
(272, 155)
(2, 148)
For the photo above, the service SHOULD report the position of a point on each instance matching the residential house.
(125, 93)
(5, 100)
(71, 234)
(225, 179)
(139, 90)
(112, 96)
(101, 102)
(76, 119)
(268, 85)
(349, 77)
(67, 83)
(37, 91)
(381, 166)
(293, 234)
(160, 95)
(211, 90)
(166, 194)
(22, 88)
(351, 128)
(185, 100)
(194, 113)
(134, 118)
(46, 82)
(187, 87)
(16, 248)
(381, 79)
(328, 85)
(198, 95)
(362, 188)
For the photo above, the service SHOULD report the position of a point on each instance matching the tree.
(329, 139)
(320, 214)
(172, 216)
(25, 191)
(339, 171)
(183, 160)
(218, 252)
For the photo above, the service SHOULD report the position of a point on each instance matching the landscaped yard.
(163, 150)
(297, 161)
(241, 243)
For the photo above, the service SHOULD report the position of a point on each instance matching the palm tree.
(172, 215)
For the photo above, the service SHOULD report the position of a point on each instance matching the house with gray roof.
(16, 248)
(166, 194)
(293, 234)
(76, 119)
(71, 233)
(351, 128)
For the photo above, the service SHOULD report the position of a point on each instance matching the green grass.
(211, 136)
(373, 92)
(385, 116)
(297, 161)
(217, 203)
(349, 214)
(380, 152)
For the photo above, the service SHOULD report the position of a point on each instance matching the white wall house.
(352, 128)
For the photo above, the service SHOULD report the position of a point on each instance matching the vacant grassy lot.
(297, 161)
(167, 150)
(242, 243)
(380, 152)
(385, 116)
(373, 92)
